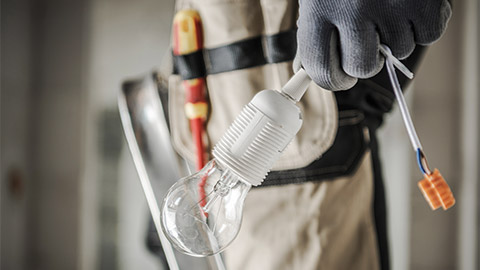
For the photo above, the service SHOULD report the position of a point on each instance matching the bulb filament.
(221, 189)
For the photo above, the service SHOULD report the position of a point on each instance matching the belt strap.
(247, 53)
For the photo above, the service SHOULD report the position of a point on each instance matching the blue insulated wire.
(419, 161)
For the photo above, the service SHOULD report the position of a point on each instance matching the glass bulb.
(202, 213)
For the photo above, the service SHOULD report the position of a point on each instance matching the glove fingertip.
(365, 67)
(343, 84)
(334, 80)
(404, 54)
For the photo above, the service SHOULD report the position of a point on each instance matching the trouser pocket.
(341, 159)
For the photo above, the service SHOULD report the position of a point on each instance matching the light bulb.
(202, 213)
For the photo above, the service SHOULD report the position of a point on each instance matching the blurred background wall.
(69, 194)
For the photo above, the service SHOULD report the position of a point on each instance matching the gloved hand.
(338, 40)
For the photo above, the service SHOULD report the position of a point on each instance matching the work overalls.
(322, 206)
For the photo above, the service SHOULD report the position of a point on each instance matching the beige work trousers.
(315, 225)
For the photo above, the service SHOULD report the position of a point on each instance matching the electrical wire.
(401, 100)
(434, 187)
(390, 62)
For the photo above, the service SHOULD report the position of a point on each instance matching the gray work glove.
(338, 40)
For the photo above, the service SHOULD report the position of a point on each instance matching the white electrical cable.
(388, 55)
(389, 62)
(297, 85)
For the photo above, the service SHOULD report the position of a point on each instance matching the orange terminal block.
(436, 191)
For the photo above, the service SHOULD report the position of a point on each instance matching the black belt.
(247, 53)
